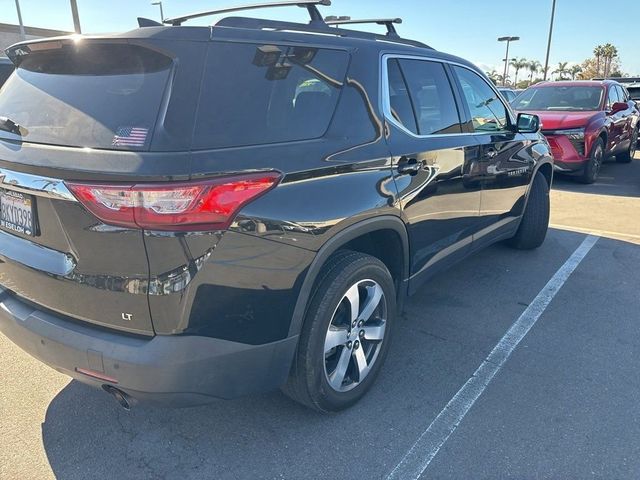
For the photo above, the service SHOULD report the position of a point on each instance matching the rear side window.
(399, 99)
(488, 113)
(82, 95)
(431, 96)
(258, 94)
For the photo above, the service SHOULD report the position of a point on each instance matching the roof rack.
(323, 29)
(310, 5)
(388, 22)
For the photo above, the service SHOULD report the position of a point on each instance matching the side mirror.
(618, 107)
(528, 123)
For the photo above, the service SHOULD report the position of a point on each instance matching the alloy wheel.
(355, 335)
(597, 161)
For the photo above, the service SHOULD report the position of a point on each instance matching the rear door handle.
(409, 166)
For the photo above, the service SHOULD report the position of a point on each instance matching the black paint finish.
(420, 203)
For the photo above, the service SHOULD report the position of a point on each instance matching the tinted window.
(399, 100)
(612, 97)
(488, 113)
(99, 96)
(257, 94)
(5, 71)
(560, 98)
(431, 97)
(509, 95)
(622, 95)
(634, 92)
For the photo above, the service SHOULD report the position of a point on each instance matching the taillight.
(201, 205)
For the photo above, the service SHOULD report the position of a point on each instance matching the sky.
(467, 28)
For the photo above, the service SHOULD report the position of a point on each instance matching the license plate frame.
(22, 218)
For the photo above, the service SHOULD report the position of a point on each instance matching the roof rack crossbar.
(387, 22)
(278, 25)
(310, 5)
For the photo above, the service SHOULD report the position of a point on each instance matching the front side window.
(488, 113)
(622, 95)
(260, 94)
(431, 96)
(613, 97)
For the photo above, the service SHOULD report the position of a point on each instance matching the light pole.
(22, 34)
(161, 12)
(76, 17)
(546, 62)
(506, 57)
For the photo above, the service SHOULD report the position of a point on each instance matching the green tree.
(574, 71)
(534, 67)
(609, 53)
(598, 54)
(518, 64)
(562, 70)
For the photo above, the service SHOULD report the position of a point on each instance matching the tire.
(318, 378)
(627, 156)
(593, 166)
(535, 221)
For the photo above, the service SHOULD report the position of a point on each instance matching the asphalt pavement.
(562, 404)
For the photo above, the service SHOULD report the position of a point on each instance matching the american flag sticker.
(130, 137)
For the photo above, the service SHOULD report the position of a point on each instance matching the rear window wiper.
(9, 125)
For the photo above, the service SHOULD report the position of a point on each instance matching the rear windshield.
(560, 98)
(81, 95)
(257, 94)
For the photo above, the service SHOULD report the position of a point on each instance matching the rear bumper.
(169, 370)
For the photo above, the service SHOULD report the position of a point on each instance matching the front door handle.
(490, 153)
(409, 166)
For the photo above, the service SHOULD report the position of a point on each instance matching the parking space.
(563, 405)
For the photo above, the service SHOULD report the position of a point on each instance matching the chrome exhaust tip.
(120, 397)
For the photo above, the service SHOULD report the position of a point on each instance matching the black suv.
(199, 212)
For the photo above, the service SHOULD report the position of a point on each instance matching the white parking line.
(419, 456)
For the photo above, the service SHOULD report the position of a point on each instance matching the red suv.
(585, 122)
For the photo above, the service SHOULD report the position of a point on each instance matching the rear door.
(628, 115)
(434, 161)
(504, 166)
(618, 120)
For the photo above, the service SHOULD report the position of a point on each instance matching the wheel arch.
(356, 237)
(546, 169)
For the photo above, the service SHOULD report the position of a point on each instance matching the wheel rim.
(597, 161)
(355, 335)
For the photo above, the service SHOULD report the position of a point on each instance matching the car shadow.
(440, 340)
(616, 179)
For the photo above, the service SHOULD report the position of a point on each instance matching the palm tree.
(494, 76)
(561, 70)
(518, 64)
(598, 52)
(609, 52)
(574, 71)
(534, 67)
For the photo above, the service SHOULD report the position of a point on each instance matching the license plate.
(17, 212)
